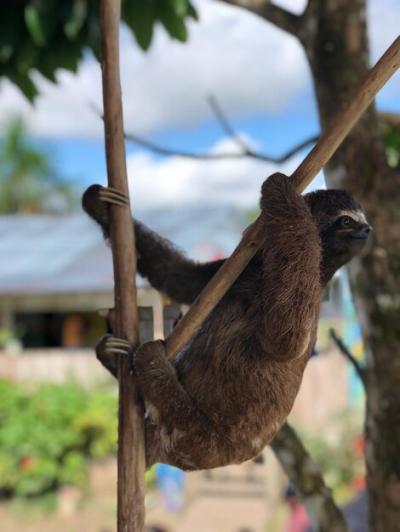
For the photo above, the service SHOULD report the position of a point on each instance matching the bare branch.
(304, 473)
(350, 357)
(281, 18)
(246, 150)
(162, 150)
(226, 125)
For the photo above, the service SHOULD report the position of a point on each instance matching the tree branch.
(304, 473)
(281, 18)
(245, 149)
(226, 125)
(247, 152)
(350, 357)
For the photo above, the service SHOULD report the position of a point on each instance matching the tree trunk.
(335, 40)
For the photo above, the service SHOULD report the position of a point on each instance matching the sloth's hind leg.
(167, 399)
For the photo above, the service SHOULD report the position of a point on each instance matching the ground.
(229, 500)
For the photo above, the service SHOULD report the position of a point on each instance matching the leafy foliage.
(44, 35)
(29, 182)
(48, 434)
(391, 139)
(340, 454)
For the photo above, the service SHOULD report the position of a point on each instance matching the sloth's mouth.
(358, 237)
(361, 233)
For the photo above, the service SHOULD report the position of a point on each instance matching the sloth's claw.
(117, 346)
(113, 196)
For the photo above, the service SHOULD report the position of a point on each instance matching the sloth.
(228, 392)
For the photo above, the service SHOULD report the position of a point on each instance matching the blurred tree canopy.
(29, 183)
(45, 35)
(391, 136)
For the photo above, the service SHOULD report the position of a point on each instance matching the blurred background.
(216, 98)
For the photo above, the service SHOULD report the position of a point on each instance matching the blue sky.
(82, 159)
(258, 74)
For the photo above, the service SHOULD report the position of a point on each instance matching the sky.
(258, 74)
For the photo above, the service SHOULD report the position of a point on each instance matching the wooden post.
(305, 173)
(131, 458)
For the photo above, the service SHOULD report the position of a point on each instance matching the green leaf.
(140, 18)
(64, 54)
(34, 25)
(180, 7)
(192, 12)
(60, 31)
(47, 70)
(25, 84)
(171, 22)
(26, 56)
(93, 35)
(11, 26)
(77, 19)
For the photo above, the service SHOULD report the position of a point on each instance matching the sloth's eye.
(346, 221)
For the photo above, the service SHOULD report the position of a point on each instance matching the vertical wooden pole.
(131, 458)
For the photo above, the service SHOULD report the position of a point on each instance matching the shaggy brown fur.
(230, 390)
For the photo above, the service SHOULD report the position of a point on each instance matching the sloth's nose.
(367, 230)
(364, 232)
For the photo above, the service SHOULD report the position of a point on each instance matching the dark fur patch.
(330, 202)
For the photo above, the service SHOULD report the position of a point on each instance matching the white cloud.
(249, 65)
(62, 109)
(230, 53)
(176, 181)
(226, 56)
(296, 6)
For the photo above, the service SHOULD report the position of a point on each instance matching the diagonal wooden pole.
(305, 173)
(131, 458)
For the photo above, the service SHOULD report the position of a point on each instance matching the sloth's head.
(342, 225)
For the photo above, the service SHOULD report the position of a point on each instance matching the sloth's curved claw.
(113, 196)
(117, 346)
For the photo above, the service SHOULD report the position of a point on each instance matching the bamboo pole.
(305, 173)
(131, 459)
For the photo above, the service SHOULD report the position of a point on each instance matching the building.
(56, 272)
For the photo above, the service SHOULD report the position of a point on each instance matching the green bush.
(48, 434)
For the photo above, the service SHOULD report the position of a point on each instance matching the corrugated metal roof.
(52, 254)
(58, 254)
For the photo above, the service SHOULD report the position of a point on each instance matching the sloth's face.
(346, 234)
(342, 225)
